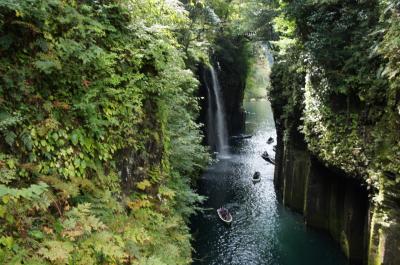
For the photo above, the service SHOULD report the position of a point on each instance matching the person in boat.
(224, 213)
(270, 140)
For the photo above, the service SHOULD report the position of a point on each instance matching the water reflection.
(262, 232)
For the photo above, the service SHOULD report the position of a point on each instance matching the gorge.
(336, 150)
(121, 125)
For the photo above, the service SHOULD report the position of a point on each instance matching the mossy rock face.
(344, 244)
(231, 61)
(296, 170)
(328, 199)
(384, 241)
(392, 247)
(326, 94)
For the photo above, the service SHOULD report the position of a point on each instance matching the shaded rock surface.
(333, 201)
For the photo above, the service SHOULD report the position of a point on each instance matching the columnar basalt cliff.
(336, 99)
(327, 198)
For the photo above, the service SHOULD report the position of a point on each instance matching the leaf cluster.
(89, 91)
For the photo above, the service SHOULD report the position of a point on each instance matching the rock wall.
(335, 202)
(230, 59)
(338, 122)
(326, 197)
(231, 64)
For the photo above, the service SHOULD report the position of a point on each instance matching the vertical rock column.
(384, 228)
(327, 198)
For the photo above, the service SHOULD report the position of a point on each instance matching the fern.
(106, 246)
(9, 137)
(7, 175)
(56, 251)
(31, 193)
(80, 222)
(7, 120)
(80, 94)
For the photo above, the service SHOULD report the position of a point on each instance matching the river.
(263, 231)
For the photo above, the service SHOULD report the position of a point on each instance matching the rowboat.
(224, 215)
(267, 158)
(241, 136)
(257, 177)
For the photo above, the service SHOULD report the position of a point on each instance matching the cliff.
(335, 96)
(230, 61)
(231, 57)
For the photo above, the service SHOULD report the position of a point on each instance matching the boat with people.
(267, 158)
(270, 140)
(257, 177)
(225, 215)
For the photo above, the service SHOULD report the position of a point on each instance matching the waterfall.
(218, 134)
(210, 116)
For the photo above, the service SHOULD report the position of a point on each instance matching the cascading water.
(210, 118)
(217, 131)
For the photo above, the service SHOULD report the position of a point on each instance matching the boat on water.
(257, 177)
(241, 136)
(224, 215)
(270, 140)
(267, 158)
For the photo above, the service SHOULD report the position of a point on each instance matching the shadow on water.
(262, 232)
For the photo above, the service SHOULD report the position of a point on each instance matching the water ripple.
(262, 232)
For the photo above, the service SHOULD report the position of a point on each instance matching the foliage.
(99, 140)
(336, 67)
(259, 72)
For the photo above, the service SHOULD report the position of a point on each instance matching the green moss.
(344, 243)
(328, 88)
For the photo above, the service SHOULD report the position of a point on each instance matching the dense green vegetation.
(336, 64)
(98, 135)
(258, 82)
(336, 81)
(99, 140)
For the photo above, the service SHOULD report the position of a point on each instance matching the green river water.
(263, 231)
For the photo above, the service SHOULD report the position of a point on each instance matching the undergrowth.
(99, 140)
